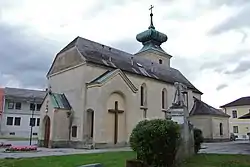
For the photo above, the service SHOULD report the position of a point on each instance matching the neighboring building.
(97, 94)
(213, 122)
(237, 109)
(17, 112)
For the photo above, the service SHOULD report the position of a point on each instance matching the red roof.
(1, 100)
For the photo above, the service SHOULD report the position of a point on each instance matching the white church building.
(97, 94)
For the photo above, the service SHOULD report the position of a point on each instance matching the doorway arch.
(46, 122)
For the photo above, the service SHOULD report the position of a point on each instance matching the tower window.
(160, 61)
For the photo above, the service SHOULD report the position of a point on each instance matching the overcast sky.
(208, 39)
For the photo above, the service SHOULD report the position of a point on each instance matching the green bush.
(198, 139)
(156, 141)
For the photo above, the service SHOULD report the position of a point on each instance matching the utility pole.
(31, 121)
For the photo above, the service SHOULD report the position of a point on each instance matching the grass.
(118, 159)
(109, 159)
(216, 160)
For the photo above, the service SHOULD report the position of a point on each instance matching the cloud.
(243, 66)
(25, 58)
(237, 21)
(220, 87)
(222, 63)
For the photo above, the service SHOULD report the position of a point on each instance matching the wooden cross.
(116, 111)
(151, 8)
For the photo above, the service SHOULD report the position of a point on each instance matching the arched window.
(221, 129)
(143, 100)
(74, 131)
(164, 99)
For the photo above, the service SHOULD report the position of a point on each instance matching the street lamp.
(31, 120)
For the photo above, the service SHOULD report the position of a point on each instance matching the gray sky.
(208, 40)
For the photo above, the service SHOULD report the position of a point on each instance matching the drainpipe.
(70, 116)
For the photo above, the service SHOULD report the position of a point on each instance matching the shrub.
(198, 139)
(156, 141)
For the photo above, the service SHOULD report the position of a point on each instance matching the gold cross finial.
(151, 8)
(151, 17)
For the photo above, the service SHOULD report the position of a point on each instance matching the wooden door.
(47, 132)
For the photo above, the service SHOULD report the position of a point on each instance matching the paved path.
(236, 147)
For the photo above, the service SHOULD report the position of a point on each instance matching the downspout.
(84, 112)
(70, 116)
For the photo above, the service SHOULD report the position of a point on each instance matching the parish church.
(97, 94)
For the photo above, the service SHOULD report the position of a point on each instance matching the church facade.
(97, 94)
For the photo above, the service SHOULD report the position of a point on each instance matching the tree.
(156, 141)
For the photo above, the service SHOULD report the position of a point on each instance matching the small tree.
(198, 139)
(156, 141)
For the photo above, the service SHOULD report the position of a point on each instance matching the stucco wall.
(71, 82)
(216, 127)
(204, 123)
(210, 126)
(60, 126)
(155, 57)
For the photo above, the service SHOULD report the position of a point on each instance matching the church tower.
(151, 40)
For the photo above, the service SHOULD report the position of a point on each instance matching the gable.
(109, 75)
(65, 60)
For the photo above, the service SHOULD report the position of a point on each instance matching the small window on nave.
(221, 129)
(164, 99)
(143, 95)
(74, 131)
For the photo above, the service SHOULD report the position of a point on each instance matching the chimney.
(152, 67)
(132, 60)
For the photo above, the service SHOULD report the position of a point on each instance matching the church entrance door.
(46, 131)
(116, 112)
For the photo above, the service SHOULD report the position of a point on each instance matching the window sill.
(143, 107)
(164, 110)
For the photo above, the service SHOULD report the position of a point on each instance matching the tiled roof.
(59, 101)
(201, 108)
(246, 116)
(116, 59)
(239, 102)
(24, 94)
(102, 77)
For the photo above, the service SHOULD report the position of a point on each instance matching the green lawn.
(118, 159)
(215, 160)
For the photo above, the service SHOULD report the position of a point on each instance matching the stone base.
(207, 140)
(111, 145)
(81, 145)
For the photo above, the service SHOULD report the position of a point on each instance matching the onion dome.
(151, 38)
